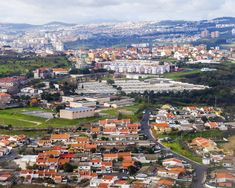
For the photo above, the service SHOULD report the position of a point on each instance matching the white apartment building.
(138, 66)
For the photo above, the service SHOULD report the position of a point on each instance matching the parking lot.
(47, 115)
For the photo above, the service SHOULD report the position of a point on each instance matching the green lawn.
(213, 134)
(179, 75)
(15, 118)
(132, 109)
(22, 65)
(177, 147)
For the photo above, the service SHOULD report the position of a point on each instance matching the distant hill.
(16, 26)
(225, 20)
(55, 23)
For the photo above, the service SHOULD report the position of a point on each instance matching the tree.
(138, 164)
(40, 85)
(68, 167)
(94, 136)
(114, 150)
(204, 119)
(51, 85)
(110, 82)
(93, 150)
(60, 107)
(132, 170)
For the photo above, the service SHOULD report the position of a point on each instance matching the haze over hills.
(56, 24)
(107, 34)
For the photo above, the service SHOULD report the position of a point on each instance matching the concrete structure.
(101, 99)
(157, 85)
(95, 88)
(43, 73)
(72, 98)
(77, 113)
(78, 104)
(215, 34)
(205, 34)
(60, 71)
(139, 66)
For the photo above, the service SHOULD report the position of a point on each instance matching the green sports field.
(15, 118)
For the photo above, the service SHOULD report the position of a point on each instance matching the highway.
(200, 169)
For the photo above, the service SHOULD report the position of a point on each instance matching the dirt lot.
(230, 146)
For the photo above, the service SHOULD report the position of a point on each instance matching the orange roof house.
(83, 139)
(225, 175)
(212, 125)
(90, 146)
(95, 129)
(110, 156)
(4, 95)
(115, 121)
(103, 185)
(126, 164)
(60, 137)
(59, 70)
(204, 144)
(161, 127)
(172, 162)
(166, 182)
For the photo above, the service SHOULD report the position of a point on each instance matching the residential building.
(161, 127)
(43, 73)
(5, 98)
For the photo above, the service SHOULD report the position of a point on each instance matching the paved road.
(200, 170)
(12, 155)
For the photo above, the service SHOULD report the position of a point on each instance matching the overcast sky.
(92, 11)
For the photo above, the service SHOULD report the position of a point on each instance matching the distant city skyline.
(97, 11)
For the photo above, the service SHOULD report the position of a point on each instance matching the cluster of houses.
(192, 118)
(45, 72)
(175, 169)
(223, 177)
(8, 142)
(177, 52)
(168, 118)
(85, 152)
(11, 84)
(208, 149)
(99, 155)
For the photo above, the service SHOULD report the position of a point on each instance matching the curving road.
(200, 170)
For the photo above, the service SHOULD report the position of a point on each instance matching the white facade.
(77, 113)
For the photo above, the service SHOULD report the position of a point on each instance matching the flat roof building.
(77, 113)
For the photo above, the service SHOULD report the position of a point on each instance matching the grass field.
(177, 147)
(20, 65)
(213, 134)
(132, 109)
(15, 118)
(179, 75)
